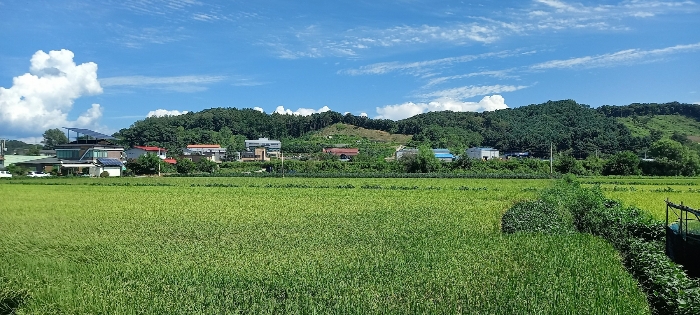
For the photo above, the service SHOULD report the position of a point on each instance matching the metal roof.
(110, 162)
(149, 148)
(444, 155)
(88, 132)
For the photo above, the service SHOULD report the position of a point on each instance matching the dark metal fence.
(683, 236)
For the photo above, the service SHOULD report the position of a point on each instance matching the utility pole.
(550, 159)
(282, 154)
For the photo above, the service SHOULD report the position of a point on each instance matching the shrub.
(669, 290)
(536, 216)
(104, 174)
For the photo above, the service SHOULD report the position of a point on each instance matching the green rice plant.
(296, 245)
(537, 216)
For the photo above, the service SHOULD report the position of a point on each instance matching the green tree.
(185, 166)
(565, 163)
(206, 165)
(673, 158)
(148, 164)
(54, 137)
(34, 150)
(622, 163)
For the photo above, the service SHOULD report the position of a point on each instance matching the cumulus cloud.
(301, 111)
(471, 91)
(363, 114)
(405, 110)
(165, 112)
(259, 109)
(43, 98)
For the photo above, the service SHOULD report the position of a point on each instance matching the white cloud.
(471, 91)
(420, 67)
(301, 111)
(43, 98)
(259, 109)
(614, 59)
(182, 84)
(139, 80)
(363, 114)
(165, 112)
(405, 110)
(539, 17)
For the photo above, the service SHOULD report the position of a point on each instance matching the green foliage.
(638, 236)
(565, 163)
(206, 166)
(672, 159)
(185, 166)
(668, 288)
(623, 163)
(104, 174)
(54, 137)
(35, 150)
(17, 170)
(148, 164)
(536, 216)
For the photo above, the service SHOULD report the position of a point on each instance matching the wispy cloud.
(182, 84)
(502, 74)
(615, 59)
(138, 38)
(144, 80)
(420, 67)
(542, 16)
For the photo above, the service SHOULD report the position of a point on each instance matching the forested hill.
(566, 124)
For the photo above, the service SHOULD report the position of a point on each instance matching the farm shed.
(343, 153)
(482, 153)
(112, 166)
(443, 155)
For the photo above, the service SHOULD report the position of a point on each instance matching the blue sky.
(104, 64)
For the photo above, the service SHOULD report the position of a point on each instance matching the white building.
(137, 151)
(482, 153)
(213, 152)
(271, 145)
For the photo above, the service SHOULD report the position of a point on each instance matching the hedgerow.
(632, 231)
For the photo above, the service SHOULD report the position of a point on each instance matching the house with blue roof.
(443, 155)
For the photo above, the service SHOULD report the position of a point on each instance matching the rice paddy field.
(301, 246)
(650, 193)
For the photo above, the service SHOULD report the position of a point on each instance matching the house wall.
(481, 153)
(114, 171)
(134, 153)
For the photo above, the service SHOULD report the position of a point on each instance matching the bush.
(669, 290)
(638, 237)
(104, 174)
(536, 216)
